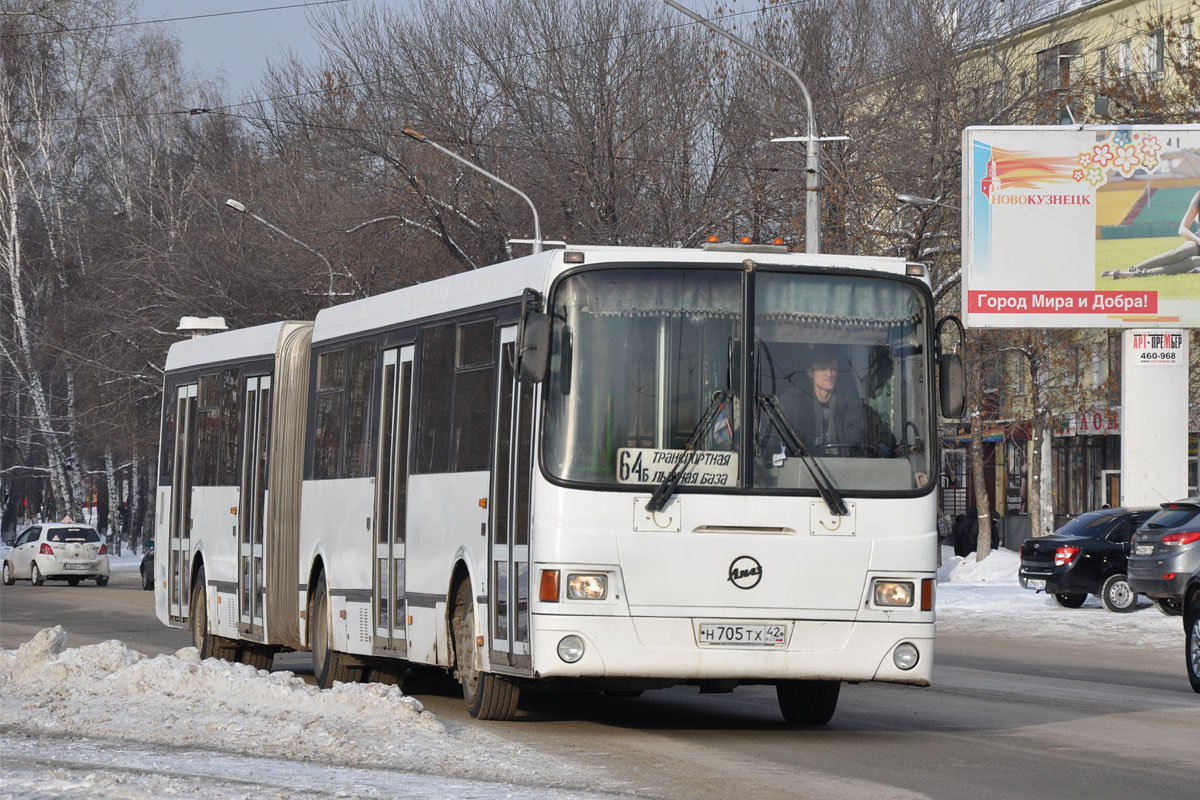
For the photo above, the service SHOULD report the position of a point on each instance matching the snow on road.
(104, 720)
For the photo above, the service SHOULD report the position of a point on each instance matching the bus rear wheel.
(808, 702)
(329, 665)
(488, 695)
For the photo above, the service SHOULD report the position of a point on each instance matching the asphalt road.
(1004, 719)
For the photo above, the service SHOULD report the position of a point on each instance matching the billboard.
(1081, 226)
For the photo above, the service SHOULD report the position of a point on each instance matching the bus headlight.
(587, 586)
(893, 593)
(570, 648)
(905, 656)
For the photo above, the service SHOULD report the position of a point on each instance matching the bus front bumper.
(669, 648)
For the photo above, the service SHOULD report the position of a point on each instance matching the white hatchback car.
(57, 551)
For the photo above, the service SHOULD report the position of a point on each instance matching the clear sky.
(237, 47)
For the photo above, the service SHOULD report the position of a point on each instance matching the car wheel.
(808, 702)
(102, 580)
(1171, 606)
(488, 695)
(329, 665)
(72, 581)
(1191, 629)
(35, 575)
(1070, 600)
(1116, 594)
(9, 580)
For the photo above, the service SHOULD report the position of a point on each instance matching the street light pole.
(241, 209)
(812, 206)
(537, 228)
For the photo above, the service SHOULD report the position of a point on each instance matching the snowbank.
(985, 597)
(108, 690)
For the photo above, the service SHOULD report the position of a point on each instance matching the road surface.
(1006, 718)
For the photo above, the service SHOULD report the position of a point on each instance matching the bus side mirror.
(951, 382)
(533, 340)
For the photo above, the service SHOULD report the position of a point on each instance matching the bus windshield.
(648, 375)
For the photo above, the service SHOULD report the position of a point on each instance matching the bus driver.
(829, 419)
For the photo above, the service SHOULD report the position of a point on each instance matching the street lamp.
(537, 228)
(241, 209)
(812, 208)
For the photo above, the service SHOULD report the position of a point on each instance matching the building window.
(1056, 65)
(1124, 58)
(1154, 53)
(1186, 42)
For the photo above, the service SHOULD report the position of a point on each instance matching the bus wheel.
(488, 695)
(256, 655)
(328, 664)
(209, 645)
(202, 640)
(808, 702)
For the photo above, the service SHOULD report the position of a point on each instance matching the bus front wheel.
(209, 645)
(808, 702)
(488, 695)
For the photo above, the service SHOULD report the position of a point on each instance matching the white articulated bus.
(592, 467)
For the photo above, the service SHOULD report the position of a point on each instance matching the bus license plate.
(741, 635)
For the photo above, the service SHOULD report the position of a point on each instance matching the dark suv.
(1166, 553)
(1085, 556)
(1191, 630)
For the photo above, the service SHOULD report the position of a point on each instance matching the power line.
(132, 23)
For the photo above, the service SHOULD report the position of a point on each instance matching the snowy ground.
(104, 720)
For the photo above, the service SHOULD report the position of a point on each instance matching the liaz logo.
(745, 572)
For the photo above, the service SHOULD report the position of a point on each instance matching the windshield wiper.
(829, 493)
(664, 491)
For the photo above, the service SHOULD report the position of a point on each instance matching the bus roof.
(261, 341)
(506, 281)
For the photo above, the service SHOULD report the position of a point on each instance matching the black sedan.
(1086, 556)
(147, 565)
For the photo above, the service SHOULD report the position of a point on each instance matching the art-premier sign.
(1081, 226)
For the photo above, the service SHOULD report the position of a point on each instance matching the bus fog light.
(570, 649)
(894, 593)
(905, 656)
(583, 586)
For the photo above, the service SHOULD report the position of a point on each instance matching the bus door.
(508, 599)
(391, 491)
(180, 531)
(252, 505)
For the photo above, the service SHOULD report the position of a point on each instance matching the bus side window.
(331, 378)
(208, 431)
(474, 396)
(360, 387)
(231, 395)
(435, 384)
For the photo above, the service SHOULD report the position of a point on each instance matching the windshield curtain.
(641, 357)
(636, 358)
